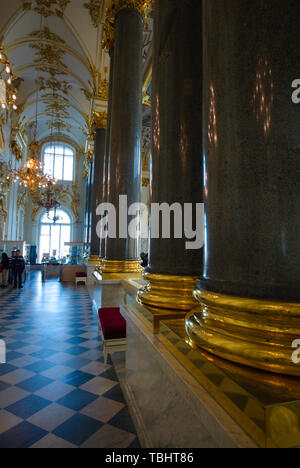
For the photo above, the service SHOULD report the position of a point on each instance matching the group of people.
(12, 269)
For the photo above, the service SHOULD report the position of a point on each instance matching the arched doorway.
(54, 235)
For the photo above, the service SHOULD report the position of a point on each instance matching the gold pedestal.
(168, 292)
(93, 260)
(253, 332)
(121, 266)
(265, 405)
(120, 269)
(99, 264)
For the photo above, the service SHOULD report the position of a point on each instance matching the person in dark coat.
(11, 261)
(5, 270)
(18, 267)
(144, 257)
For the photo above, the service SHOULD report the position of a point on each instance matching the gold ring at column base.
(252, 332)
(93, 259)
(168, 292)
(121, 266)
(99, 264)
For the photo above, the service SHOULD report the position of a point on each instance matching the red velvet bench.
(80, 277)
(113, 327)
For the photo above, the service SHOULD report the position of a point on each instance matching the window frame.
(51, 225)
(53, 145)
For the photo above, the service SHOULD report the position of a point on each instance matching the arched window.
(59, 161)
(54, 235)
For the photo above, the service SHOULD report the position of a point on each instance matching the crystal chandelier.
(49, 202)
(31, 176)
(8, 93)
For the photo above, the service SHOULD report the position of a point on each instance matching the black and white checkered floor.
(55, 391)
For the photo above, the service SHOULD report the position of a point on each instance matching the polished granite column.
(97, 190)
(250, 290)
(177, 161)
(107, 152)
(124, 165)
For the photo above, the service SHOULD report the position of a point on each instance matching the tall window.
(53, 236)
(59, 161)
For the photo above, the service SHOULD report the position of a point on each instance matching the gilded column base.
(121, 266)
(168, 292)
(99, 264)
(252, 332)
(93, 260)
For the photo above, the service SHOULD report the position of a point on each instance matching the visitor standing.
(5, 270)
(18, 266)
(11, 274)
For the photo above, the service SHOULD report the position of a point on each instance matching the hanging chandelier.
(8, 93)
(49, 202)
(31, 176)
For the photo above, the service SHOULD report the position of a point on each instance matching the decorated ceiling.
(55, 46)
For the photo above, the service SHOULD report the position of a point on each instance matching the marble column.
(250, 290)
(97, 190)
(177, 161)
(124, 164)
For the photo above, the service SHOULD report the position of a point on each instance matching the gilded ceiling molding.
(4, 186)
(58, 125)
(22, 198)
(41, 115)
(56, 106)
(103, 88)
(55, 71)
(142, 6)
(16, 144)
(47, 8)
(86, 63)
(94, 7)
(46, 34)
(71, 105)
(89, 156)
(54, 84)
(49, 58)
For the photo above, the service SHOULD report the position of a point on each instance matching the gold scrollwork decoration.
(103, 89)
(65, 195)
(142, 6)
(94, 8)
(47, 8)
(16, 149)
(99, 120)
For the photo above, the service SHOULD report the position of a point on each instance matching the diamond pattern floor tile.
(55, 391)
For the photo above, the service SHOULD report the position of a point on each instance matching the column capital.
(114, 7)
(99, 120)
